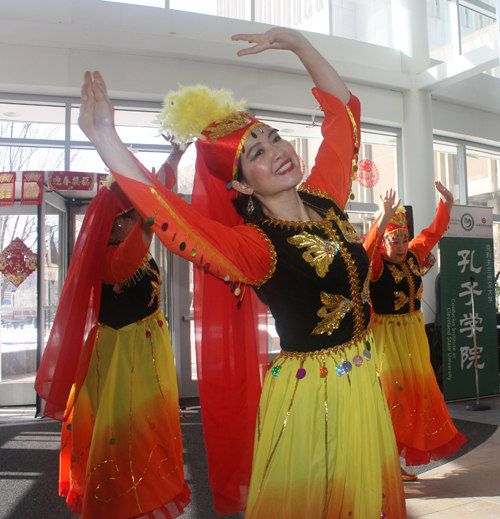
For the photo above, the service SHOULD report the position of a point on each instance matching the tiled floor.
(466, 488)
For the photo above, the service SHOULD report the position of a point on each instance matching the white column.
(410, 36)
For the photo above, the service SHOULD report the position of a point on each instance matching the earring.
(250, 206)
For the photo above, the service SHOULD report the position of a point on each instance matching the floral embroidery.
(396, 273)
(319, 254)
(419, 293)
(335, 309)
(401, 300)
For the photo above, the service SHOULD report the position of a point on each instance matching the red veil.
(78, 310)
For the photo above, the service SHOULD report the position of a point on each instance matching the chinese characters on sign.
(468, 304)
(69, 180)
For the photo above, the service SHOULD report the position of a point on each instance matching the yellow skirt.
(424, 430)
(324, 446)
(121, 447)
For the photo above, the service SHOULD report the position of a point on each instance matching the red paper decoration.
(17, 262)
(71, 180)
(367, 174)
(7, 188)
(32, 190)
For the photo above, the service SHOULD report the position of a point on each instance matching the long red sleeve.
(332, 171)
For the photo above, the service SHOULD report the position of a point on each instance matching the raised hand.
(446, 194)
(322, 73)
(389, 204)
(389, 207)
(275, 38)
(96, 113)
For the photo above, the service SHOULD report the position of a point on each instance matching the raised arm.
(238, 254)
(97, 122)
(428, 238)
(322, 73)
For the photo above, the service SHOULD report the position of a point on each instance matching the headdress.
(231, 339)
(78, 309)
(398, 222)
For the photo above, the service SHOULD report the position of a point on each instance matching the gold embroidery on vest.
(335, 309)
(396, 273)
(401, 300)
(319, 253)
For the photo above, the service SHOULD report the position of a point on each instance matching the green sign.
(467, 280)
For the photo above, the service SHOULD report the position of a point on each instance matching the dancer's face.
(270, 164)
(396, 246)
(124, 225)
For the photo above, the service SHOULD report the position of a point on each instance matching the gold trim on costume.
(330, 352)
(196, 239)
(272, 252)
(310, 190)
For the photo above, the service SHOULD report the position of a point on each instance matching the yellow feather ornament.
(188, 111)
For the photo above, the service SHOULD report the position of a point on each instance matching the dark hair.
(241, 202)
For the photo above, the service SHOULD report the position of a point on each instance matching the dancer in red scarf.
(108, 372)
(324, 445)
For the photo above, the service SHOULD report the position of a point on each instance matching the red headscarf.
(78, 310)
(231, 338)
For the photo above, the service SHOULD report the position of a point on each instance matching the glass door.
(23, 297)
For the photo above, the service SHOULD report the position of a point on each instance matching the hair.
(241, 202)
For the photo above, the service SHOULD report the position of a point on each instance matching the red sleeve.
(122, 261)
(241, 253)
(428, 238)
(338, 152)
(371, 245)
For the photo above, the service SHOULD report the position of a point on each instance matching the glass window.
(440, 35)
(446, 168)
(377, 166)
(150, 3)
(133, 126)
(482, 178)
(307, 16)
(239, 9)
(30, 158)
(369, 21)
(476, 29)
(26, 121)
(18, 305)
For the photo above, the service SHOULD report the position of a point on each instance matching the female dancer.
(116, 392)
(422, 425)
(324, 445)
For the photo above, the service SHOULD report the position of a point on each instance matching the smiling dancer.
(324, 445)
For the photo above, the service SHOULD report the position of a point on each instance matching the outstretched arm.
(97, 122)
(322, 73)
